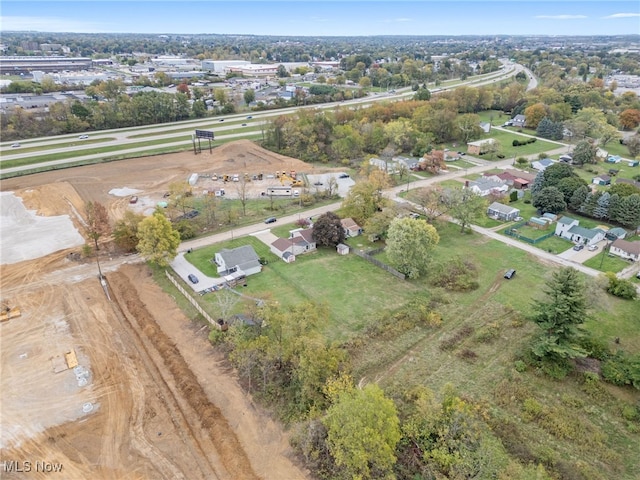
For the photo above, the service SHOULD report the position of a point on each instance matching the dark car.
(249, 117)
(270, 220)
(343, 175)
(510, 274)
(193, 278)
(577, 248)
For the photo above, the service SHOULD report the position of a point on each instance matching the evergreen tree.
(629, 211)
(614, 207)
(590, 203)
(560, 317)
(538, 184)
(602, 207)
(578, 198)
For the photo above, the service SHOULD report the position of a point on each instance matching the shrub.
(520, 366)
(595, 347)
(622, 369)
(620, 287)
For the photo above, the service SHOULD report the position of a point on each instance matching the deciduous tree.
(327, 230)
(125, 231)
(363, 431)
(550, 200)
(464, 205)
(158, 241)
(409, 245)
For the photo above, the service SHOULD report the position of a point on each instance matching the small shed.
(342, 249)
(633, 163)
(602, 180)
(288, 257)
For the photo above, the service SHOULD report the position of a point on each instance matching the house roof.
(567, 220)
(617, 231)
(632, 248)
(244, 257)
(521, 174)
(521, 181)
(480, 143)
(484, 184)
(349, 224)
(282, 244)
(519, 118)
(545, 161)
(585, 232)
(499, 207)
(604, 178)
(306, 234)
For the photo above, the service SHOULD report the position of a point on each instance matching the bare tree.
(226, 300)
(97, 225)
(243, 193)
(430, 199)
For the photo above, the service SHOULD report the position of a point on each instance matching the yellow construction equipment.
(8, 312)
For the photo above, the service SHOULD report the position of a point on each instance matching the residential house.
(241, 259)
(484, 187)
(585, 236)
(566, 158)
(388, 166)
(602, 180)
(625, 249)
(616, 233)
(542, 165)
(479, 147)
(519, 121)
(300, 241)
(350, 227)
(503, 212)
(563, 226)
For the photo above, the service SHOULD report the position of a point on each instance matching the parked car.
(592, 248)
(15, 145)
(83, 137)
(579, 247)
(343, 175)
(510, 274)
(270, 220)
(193, 278)
(244, 124)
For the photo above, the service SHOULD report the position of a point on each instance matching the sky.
(325, 17)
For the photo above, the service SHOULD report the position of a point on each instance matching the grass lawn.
(554, 244)
(492, 331)
(606, 263)
(509, 151)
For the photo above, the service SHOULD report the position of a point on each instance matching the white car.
(592, 248)
(15, 145)
(83, 137)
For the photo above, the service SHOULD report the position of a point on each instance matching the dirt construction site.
(114, 381)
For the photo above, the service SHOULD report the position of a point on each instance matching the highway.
(137, 140)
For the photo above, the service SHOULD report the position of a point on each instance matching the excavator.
(8, 312)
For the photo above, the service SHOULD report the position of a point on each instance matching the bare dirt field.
(149, 399)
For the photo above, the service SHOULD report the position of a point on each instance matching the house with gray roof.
(244, 259)
(542, 165)
(519, 121)
(485, 186)
(503, 212)
(563, 226)
(615, 233)
(585, 236)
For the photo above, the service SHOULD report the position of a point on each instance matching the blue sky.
(326, 17)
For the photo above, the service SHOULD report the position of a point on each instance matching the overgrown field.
(577, 427)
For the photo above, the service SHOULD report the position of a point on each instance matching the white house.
(503, 212)
(563, 226)
(626, 249)
(350, 227)
(242, 258)
(542, 165)
(301, 241)
(485, 186)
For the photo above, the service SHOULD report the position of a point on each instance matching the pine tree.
(578, 198)
(602, 206)
(560, 317)
(538, 184)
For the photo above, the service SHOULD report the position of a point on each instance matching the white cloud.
(561, 17)
(398, 20)
(50, 24)
(623, 15)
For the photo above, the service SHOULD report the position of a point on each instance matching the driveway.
(581, 256)
(183, 268)
(265, 236)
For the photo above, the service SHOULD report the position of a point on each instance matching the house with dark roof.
(519, 121)
(503, 212)
(625, 249)
(241, 259)
(601, 180)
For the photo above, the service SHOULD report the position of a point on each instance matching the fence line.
(513, 232)
(367, 256)
(192, 301)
